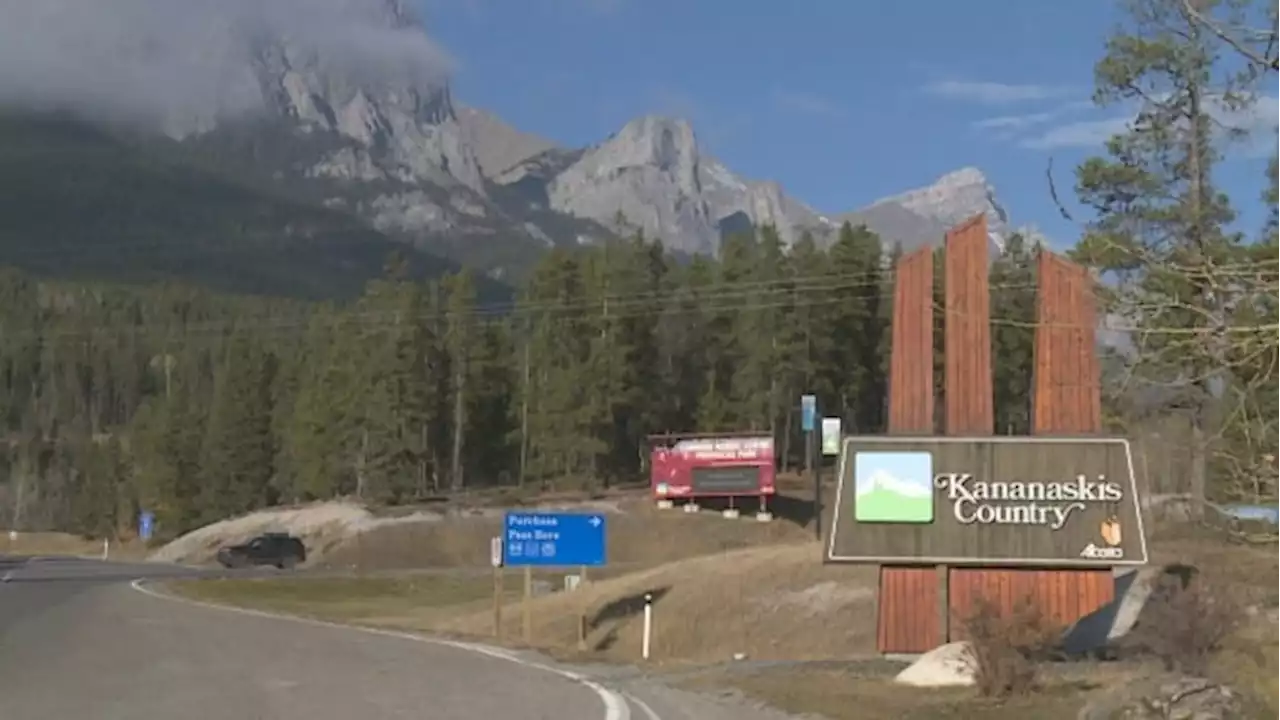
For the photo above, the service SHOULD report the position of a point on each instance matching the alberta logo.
(1110, 550)
(893, 487)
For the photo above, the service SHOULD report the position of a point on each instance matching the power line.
(720, 301)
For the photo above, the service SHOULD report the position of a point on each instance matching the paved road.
(78, 640)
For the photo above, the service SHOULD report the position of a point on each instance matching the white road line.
(615, 707)
(644, 706)
(7, 576)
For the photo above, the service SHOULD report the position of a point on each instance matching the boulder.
(946, 665)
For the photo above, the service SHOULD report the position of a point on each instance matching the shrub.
(1006, 648)
(1185, 622)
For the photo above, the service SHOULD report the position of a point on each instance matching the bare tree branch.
(1265, 59)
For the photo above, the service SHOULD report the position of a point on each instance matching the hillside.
(79, 202)
(334, 148)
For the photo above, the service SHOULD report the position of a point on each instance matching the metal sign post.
(808, 421)
(550, 539)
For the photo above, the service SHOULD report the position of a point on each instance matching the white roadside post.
(106, 548)
(648, 625)
(495, 560)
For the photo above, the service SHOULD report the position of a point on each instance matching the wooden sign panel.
(987, 501)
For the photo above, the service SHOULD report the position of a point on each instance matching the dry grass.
(767, 603)
(1249, 662)
(722, 588)
(1253, 570)
(1249, 576)
(52, 543)
(851, 695)
(638, 535)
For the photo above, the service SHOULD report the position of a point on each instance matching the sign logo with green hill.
(893, 487)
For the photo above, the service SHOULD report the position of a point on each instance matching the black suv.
(279, 549)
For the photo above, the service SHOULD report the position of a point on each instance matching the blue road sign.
(146, 524)
(553, 539)
(808, 412)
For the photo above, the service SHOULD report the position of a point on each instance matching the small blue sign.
(553, 539)
(808, 412)
(146, 524)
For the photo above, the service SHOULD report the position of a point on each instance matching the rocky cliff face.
(653, 174)
(649, 174)
(400, 124)
(922, 216)
(372, 127)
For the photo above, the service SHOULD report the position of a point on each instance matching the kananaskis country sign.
(990, 501)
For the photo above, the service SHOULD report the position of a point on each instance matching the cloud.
(1249, 130)
(805, 103)
(995, 93)
(1084, 133)
(1013, 122)
(167, 61)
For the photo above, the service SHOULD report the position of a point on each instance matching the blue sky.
(840, 101)
(911, 468)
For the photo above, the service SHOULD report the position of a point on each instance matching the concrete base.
(731, 513)
(764, 516)
(665, 504)
(691, 507)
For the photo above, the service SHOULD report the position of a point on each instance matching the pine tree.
(461, 340)
(858, 383)
(805, 344)
(1160, 237)
(395, 390)
(1013, 300)
(322, 444)
(238, 449)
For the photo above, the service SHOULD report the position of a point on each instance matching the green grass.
(417, 602)
(344, 599)
(887, 506)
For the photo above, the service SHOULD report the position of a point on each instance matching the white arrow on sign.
(595, 521)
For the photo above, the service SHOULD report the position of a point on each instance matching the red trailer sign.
(691, 467)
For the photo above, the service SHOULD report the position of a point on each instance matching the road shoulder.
(624, 695)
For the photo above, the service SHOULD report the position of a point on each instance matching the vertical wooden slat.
(907, 615)
(1068, 394)
(1061, 595)
(1066, 399)
(969, 400)
(907, 609)
(911, 356)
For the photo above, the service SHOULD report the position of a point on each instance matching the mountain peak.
(667, 142)
(922, 216)
(657, 123)
(884, 480)
(647, 172)
(964, 176)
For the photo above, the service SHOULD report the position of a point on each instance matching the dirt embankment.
(342, 535)
(775, 602)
